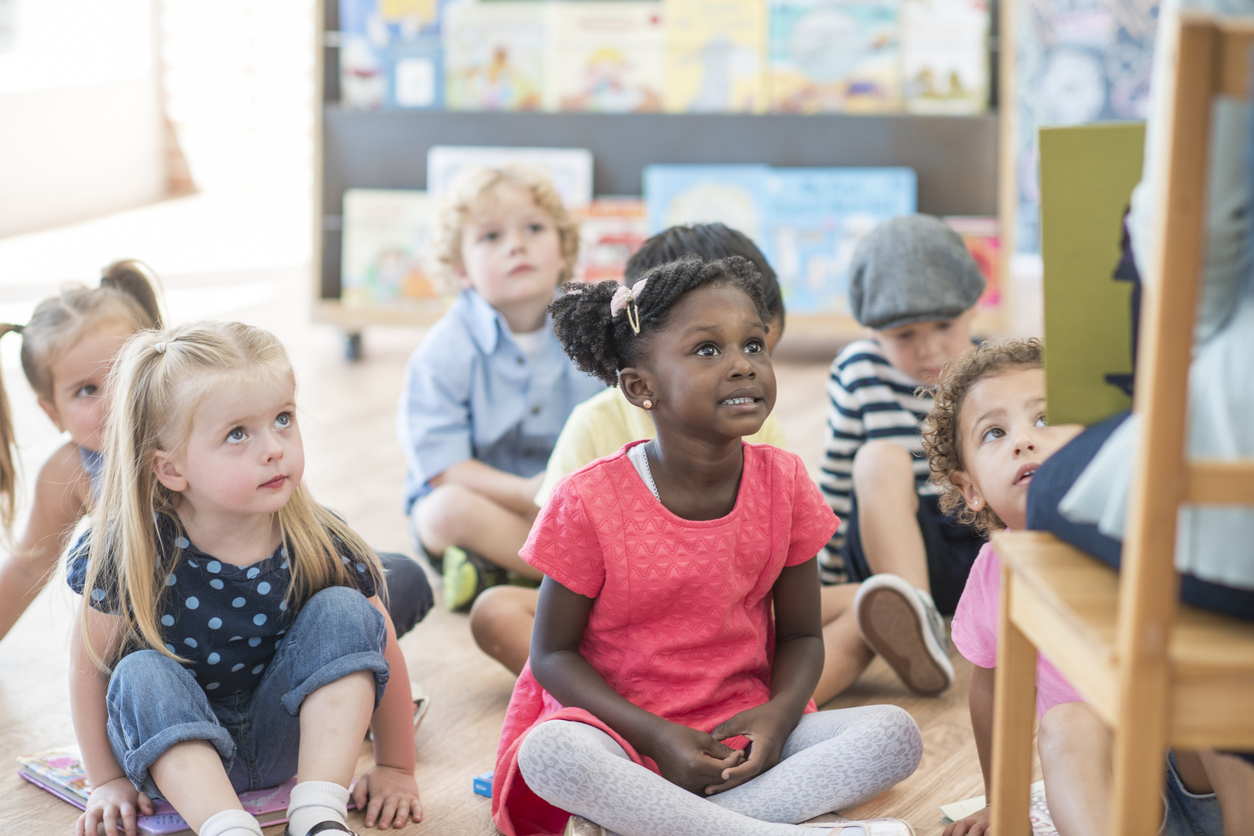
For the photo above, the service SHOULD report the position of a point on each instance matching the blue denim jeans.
(154, 702)
(1186, 813)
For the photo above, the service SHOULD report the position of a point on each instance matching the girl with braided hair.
(678, 636)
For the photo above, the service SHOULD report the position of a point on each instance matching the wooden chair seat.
(1065, 602)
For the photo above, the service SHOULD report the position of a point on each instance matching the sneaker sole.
(893, 629)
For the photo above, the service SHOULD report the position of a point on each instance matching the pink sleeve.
(813, 522)
(563, 543)
(975, 621)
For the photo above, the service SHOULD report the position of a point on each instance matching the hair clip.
(626, 298)
(159, 347)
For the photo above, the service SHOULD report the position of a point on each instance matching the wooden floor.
(355, 466)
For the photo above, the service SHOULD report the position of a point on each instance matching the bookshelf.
(955, 158)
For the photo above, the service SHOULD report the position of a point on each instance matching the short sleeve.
(433, 419)
(975, 620)
(103, 598)
(563, 543)
(813, 522)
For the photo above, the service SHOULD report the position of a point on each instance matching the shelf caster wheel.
(352, 346)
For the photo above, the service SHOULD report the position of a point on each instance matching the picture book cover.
(611, 229)
(691, 194)
(569, 168)
(385, 247)
(815, 219)
(715, 56)
(834, 55)
(983, 238)
(494, 55)
(60, 772)
(944, 56)
(1038, 812)
(1087, 176)
(607, 56)
(391, 54)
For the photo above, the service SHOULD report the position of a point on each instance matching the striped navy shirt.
(867, 398)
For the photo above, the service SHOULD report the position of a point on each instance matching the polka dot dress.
(226, 621)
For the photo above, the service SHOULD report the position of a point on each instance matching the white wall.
(81, 132)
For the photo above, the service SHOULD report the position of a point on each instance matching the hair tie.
(159, 347)
(625, 298)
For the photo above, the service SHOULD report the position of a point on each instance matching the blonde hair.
(942, 430)
(473, 185)
(127, 293)
(160, 379)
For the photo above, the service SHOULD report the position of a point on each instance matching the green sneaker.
(466, 574)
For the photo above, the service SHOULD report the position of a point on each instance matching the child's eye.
(943, 326)
(1040, 422)
(236, 435)
(283, 421)
(490, 236)
(86, 391)
(992, 434)
(535, 228)
(707, 350)
(754, 347)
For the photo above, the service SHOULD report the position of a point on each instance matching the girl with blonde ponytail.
(67, 349)
(233, 623)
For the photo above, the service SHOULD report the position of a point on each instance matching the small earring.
(975, 504)
(648, 404)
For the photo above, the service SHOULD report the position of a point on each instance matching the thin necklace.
(648, 473)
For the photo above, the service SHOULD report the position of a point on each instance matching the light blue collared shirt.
(471, 392)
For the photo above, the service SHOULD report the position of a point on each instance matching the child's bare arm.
(980, 700)
(795, 671)
(514, 492)
(390, 785)
(113, 796)
(688, 758)
(60, 501)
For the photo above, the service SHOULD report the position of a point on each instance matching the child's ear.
(51, 412)
(168, 472)
(970, 493)
(637, 386)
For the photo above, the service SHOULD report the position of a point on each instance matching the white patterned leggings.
(833, 760)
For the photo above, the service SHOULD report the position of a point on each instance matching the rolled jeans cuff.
(138, 761)
(335, 670)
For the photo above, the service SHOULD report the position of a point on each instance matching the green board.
(1087, 176)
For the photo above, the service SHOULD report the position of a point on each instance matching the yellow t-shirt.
(604, 423)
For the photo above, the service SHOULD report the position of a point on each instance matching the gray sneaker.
(901, 624)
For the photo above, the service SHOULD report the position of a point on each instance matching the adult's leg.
(582, 770)
(883, 481)
(409, 597)
(833, 760)
(501, 621)
(453, 515)
(173, 746)
(845, 654)
(1075, 749)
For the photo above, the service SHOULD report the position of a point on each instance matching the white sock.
(312, 802)
(231, 823)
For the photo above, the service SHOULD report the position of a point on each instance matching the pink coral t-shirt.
(975, 631)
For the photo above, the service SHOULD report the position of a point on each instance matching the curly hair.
(465, 192)
(602, 344)
(942, 431)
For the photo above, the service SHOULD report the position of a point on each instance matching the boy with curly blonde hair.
(488, 389)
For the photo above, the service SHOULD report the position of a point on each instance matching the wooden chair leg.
(1139, 744)
(1015, 704)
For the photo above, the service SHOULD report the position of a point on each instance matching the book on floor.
(1042, 824)
(61, 772)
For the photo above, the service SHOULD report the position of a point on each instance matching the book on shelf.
(815, 219)
(61, 772)
(1038, 812)
(610, 230)
(391, 54)
(693, 194)
(715, 56)
(982, 236)
(944, 56)
(606, 56)
(384, 248)
(494, 55)
(570, 169)
(834, 55)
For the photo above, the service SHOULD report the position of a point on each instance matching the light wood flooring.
(355, 466)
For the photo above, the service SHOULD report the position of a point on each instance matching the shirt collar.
(483, 321)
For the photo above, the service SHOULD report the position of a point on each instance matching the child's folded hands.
(766, 727)
(691, 759)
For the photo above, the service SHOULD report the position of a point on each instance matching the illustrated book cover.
(391, 54)
(715, 56)
(944, 56)
(494, 55)
(606, 56)
(383, 259)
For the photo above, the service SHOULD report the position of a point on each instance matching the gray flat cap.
(911, 269)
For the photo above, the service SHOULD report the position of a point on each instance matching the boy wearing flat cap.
(913, 285)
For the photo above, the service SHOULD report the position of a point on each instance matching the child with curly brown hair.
(985, 438)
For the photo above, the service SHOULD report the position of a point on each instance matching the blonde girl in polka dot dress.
(231, 634)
